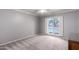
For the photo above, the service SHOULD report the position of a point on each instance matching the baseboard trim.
(27, 37)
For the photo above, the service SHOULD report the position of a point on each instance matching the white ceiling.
(49, 11)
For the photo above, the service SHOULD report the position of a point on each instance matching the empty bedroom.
(39, 29)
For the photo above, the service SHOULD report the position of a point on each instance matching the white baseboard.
(27, 37)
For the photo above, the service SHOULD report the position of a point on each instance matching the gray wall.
(78, 21)
(70, 24)
(42, 25)
(15, 25)
(77, 26)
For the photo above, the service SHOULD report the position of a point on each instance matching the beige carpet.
(40, 42)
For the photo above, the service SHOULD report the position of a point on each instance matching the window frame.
(46, 26)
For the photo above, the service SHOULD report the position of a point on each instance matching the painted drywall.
(77, 35)
(15, 25)
(78, 21)
(42, 26)
(70, 24)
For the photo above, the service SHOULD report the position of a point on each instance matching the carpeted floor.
(40, 42)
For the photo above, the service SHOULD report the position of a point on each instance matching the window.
(55, 25)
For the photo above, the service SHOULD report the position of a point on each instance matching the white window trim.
(46, 27)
